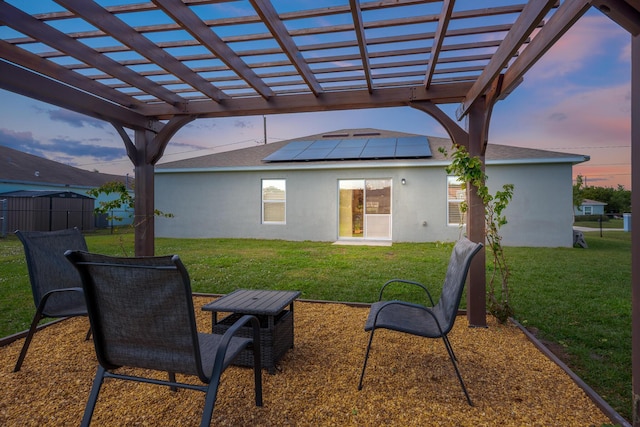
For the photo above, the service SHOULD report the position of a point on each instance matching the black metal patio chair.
(55, 284)
(431, 322)
(141, 313)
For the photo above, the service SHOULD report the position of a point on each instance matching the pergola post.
(478, 125)
(144, 154)
(475, 142)
(635, 230)
(144, 196)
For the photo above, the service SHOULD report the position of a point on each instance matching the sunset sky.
(575, 100)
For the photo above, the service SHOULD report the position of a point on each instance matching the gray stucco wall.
(228, 204)
(541, 212)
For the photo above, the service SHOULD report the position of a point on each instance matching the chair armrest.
(408, 282)
(233, 330)
(46, 296)
(388, 304)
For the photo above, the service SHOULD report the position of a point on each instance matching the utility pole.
(264, 125)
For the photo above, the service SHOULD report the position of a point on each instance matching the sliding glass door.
(365, 209)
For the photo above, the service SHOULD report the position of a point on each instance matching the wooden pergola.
(153, 67)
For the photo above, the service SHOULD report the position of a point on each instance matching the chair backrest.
(459, 263)
(141, 312)
(49, 269)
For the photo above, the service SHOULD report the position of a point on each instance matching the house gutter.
(367, 165)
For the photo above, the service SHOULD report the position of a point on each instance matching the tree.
(124, 199)
(618, 199)
(578, 196)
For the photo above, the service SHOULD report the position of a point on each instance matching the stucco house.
(359, 185)
(590, 207)
(28, 183)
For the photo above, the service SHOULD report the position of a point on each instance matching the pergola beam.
(35, 86)
(346, 100)
(625, 13)
(26, 24)
(31, 61)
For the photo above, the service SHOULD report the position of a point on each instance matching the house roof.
(45, 193)
(592, 202)
(16, 166)
(252, 157)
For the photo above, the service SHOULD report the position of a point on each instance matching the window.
(274, 201)
(455, 196)
(587, 210)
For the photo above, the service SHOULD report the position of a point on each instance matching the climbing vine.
(124, 199)
(470, 171)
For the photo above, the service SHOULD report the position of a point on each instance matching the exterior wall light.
(403, 181)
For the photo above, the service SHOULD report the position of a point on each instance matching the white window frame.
(282, 184)
(459, 197)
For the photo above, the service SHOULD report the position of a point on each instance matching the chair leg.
(93, 397)
(455, 366)
(257, 374)
(32, 330)
(172, 378)
(210, 400)
(366, 358)
(448, 344)
(88, 334)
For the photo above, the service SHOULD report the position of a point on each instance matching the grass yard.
(612, 223)
(577, 298)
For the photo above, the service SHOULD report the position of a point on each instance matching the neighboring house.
(370, 185)
(26, 181)
(590, 207)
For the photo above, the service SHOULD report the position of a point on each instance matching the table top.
(249, 301)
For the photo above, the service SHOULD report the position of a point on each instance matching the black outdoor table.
(276, 321)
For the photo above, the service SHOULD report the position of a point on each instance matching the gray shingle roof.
(16, 166)
(252, 156)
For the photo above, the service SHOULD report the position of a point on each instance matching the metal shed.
(34, 210)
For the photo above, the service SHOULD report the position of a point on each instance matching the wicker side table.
(276, 321)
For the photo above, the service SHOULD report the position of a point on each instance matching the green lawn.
(612, 223)
(579, 298)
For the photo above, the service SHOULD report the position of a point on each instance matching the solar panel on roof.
(347, 149)
(351, 149)
(379, 148)
(412, 147)
(288, 152)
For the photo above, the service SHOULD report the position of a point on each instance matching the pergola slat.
(438, 39)
(104, 20)
(201, 32)
(358, 25)
(272, 21)
(26, 24)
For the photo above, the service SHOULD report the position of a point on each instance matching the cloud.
(243, 124)
(64, 150)
(73, 119)
(557, 117)
(21, 141)
(76, 148)
(70, 118)
(591, 38)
